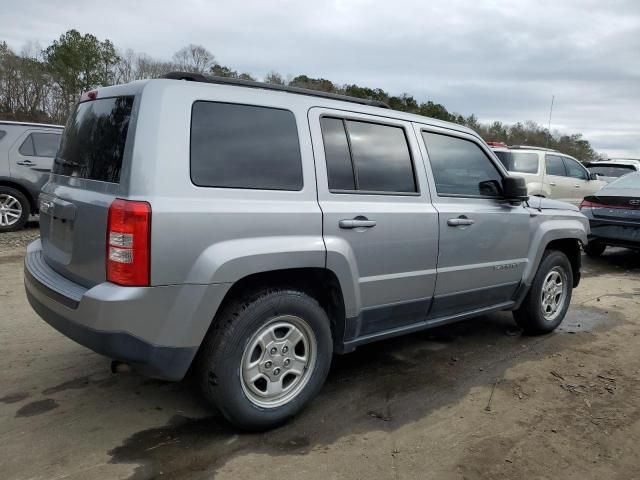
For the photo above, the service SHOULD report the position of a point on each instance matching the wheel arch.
(320, 283)
(12, 183)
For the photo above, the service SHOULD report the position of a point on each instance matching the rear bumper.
(613, 232)
(158, 330)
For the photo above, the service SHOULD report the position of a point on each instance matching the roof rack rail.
(198, 77)
(30, 124)
(529, 147)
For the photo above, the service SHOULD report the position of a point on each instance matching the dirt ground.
(472, 400)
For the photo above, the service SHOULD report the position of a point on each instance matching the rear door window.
(337, 154)
(26, 148)
(244, 146)
(461, 168)
(367, 157)
(554, 165)
(46, 144)
(94, 140)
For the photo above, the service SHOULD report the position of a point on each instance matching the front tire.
(548, 299)
(267, 355)
(14, 209)
(594, 248)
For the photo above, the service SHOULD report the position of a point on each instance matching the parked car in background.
(548, 173)
(26, 158)
(614, 215)
(253, 230)
(608, 171)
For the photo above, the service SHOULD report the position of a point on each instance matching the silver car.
(26, 158)
(253, 231)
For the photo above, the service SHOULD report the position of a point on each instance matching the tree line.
(42, 85)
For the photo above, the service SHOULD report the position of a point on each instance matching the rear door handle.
(357, 223)
(460, 221)
(26, 163)
(577, 186)
(552, 184)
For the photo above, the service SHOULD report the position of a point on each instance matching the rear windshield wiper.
(62, 161)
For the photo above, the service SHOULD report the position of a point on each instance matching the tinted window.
(612, 170)
(243, 146)
(554, 165)
(574, 169)
(519, 161)
(94, 140)
(26, 148)
(460, 167)
(336, 152)
(46, 144)
(381, 157)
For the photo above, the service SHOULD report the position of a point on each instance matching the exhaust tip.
(120, 367)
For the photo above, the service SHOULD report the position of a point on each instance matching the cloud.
(502, 60)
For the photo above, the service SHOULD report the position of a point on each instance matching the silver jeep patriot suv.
(248, 232)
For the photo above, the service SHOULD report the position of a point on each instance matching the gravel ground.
(469, 401)
(13, 242)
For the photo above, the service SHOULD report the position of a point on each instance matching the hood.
(549, 204)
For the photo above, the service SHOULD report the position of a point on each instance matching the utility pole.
(549, 127)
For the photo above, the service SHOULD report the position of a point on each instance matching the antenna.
(550, 114)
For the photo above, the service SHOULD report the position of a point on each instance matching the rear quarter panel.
(203, 235)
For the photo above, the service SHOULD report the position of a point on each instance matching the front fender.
(565, 225)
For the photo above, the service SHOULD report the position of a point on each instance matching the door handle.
(358, 222)
(577, 186)
(26, 163)
(552, 184)
(460, 221)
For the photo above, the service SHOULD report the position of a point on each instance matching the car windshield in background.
(94, 139)
(519, 161)
(628, 181)
(611, 170)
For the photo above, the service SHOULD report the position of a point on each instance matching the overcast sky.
(501, 59)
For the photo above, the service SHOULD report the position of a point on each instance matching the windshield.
(611, 170)
(93, 143)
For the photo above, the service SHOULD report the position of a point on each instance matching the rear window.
(244, 146)
(519, 161)
(612, 170)
(94, 139)
(628, 181)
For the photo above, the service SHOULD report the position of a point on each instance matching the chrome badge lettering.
(506, 266)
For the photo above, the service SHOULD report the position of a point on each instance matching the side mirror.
(593, 176)
(515, 189)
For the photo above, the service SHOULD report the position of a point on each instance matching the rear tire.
(594, 248)
(14, 209)
(548, 299)
(266, 356)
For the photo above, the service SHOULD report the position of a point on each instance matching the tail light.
(129, 243)
(589, 204)
(90, 95)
